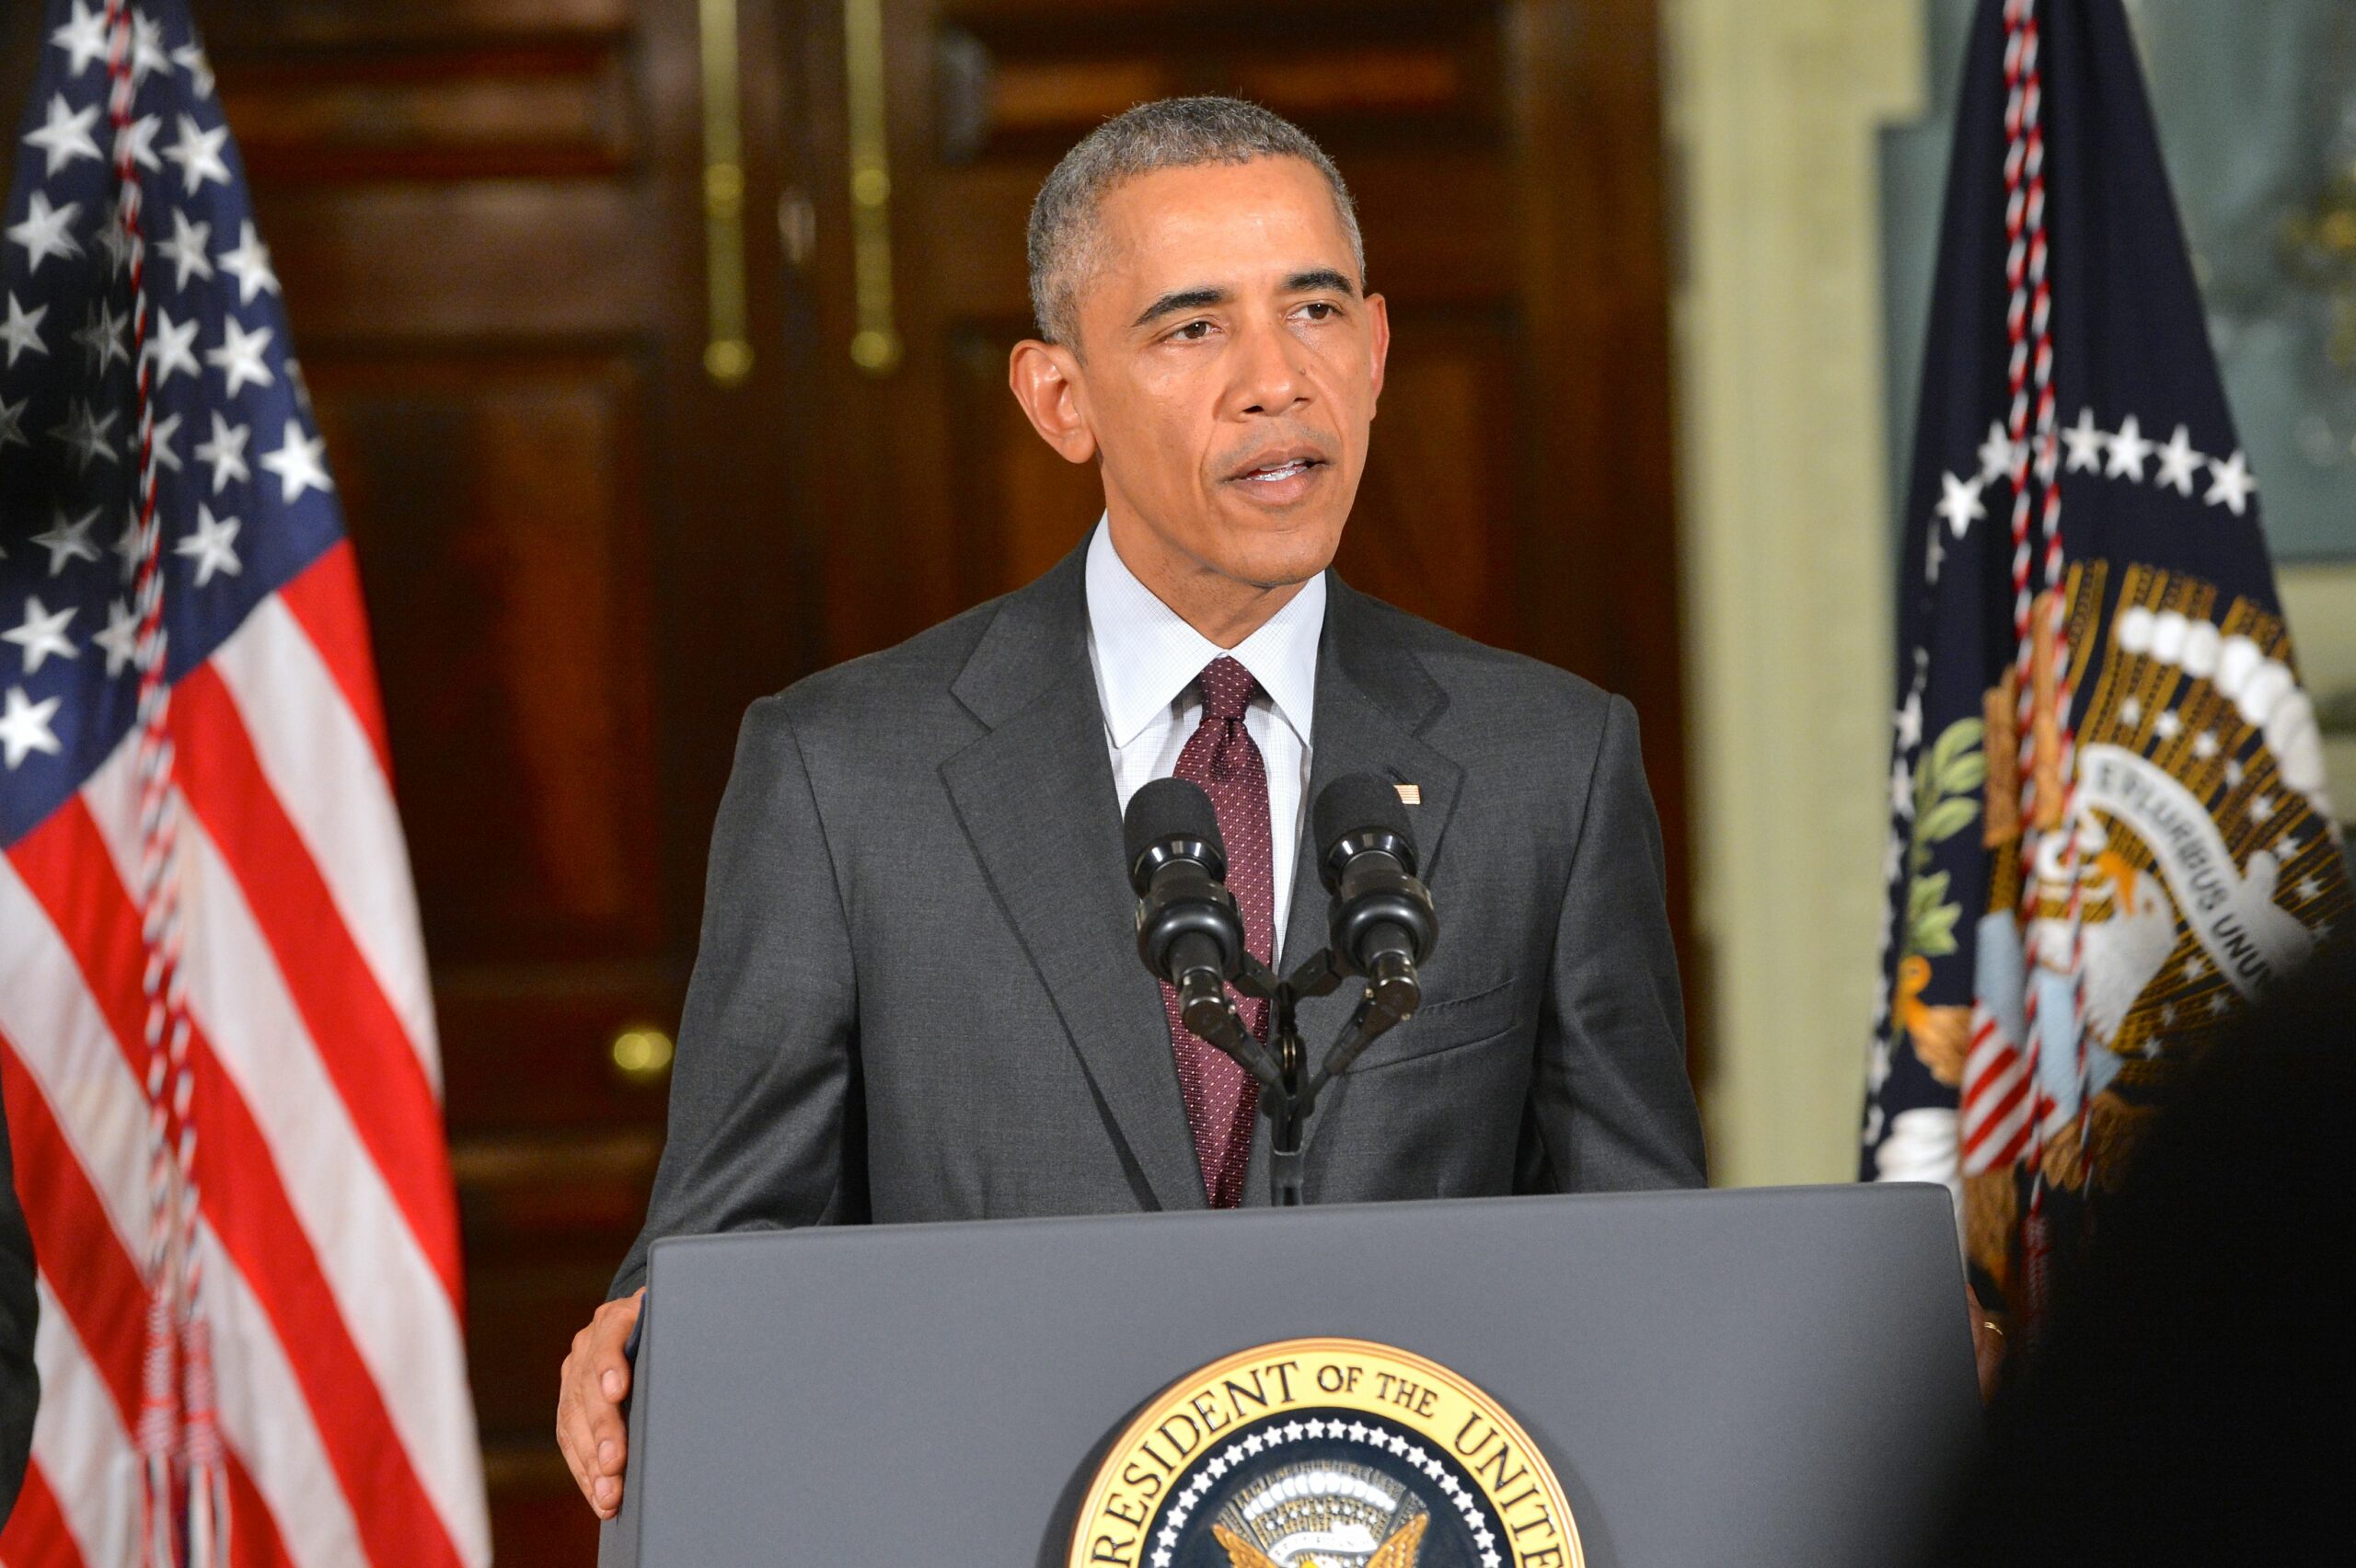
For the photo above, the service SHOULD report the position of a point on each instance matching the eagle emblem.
(1400, 1551)
(1322, 1515)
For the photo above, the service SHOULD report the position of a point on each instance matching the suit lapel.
(1036, 798)
(1373, 697)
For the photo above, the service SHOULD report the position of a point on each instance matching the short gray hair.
(1180, 133)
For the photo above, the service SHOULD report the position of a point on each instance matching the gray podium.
(1775, 1376)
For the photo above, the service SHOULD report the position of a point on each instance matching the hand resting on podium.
(596, 1380)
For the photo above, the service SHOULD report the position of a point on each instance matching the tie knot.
(1227, 688)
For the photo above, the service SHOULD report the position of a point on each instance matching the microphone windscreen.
(1166, 808)
(1358, 803)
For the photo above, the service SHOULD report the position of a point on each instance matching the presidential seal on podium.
(1324, 1453)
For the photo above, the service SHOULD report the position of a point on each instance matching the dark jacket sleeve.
(1611, 1103)
(19, 1310)
(764, 1115)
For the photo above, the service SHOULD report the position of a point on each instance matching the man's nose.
(1266, 379)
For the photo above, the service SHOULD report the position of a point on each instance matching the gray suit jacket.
(918, 996)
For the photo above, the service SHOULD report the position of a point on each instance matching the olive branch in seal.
(1946, 803)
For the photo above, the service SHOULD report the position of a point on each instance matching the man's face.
(1228, 367)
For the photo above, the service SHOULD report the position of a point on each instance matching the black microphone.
(1190, 932)
(1383, 923)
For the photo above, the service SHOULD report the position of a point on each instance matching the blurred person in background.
(2189, 1399)
(19, 1381)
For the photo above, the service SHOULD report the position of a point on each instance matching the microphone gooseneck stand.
(1288, 1091)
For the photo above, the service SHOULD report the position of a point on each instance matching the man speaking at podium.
(918, 995)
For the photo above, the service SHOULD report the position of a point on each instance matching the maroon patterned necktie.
(1221, 1098)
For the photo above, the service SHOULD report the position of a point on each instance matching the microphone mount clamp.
(1289, 1090)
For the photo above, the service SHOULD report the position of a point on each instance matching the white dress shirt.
(1147, 662)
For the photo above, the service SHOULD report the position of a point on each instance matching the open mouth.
(1277, 473)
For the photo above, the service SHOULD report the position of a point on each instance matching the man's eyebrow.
(1320, 280)
(1177, 300)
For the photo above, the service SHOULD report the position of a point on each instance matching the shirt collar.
(1146, 655)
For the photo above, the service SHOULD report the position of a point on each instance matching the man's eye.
(1193, 332)
(1320, 310)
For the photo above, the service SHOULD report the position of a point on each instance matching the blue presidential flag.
(2108, 824)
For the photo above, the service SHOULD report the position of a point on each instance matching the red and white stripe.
(327, 1230)
(1997, 1097)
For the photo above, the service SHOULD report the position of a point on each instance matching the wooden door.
(589, 537)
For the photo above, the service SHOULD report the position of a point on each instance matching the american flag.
(216, 1040)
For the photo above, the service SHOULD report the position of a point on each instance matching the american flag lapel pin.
(1410, 794)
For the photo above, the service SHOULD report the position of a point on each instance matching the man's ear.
(1047, 381)
(1378, 314)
